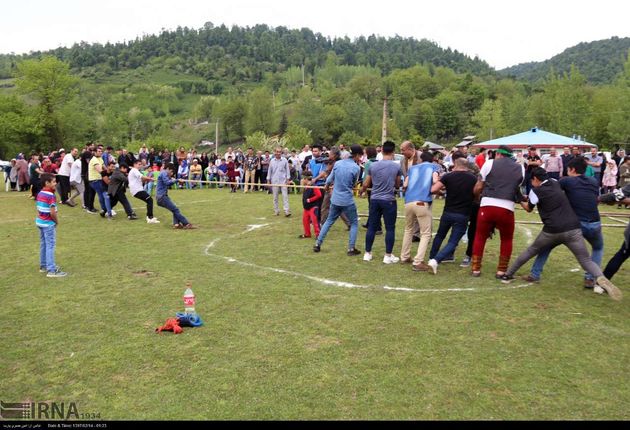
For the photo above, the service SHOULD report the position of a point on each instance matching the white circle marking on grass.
(335, 283)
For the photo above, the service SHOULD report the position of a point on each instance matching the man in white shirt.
(306, 152)
(64, 176)
(136, 188)
(76, 183)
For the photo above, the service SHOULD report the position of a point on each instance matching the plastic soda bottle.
(189, 300)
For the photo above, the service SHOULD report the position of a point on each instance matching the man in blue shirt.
(420, 178)
(582, 193)
(165, 180)
(344, 175)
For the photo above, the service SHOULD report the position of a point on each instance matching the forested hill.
(600, 62)
(240, 54)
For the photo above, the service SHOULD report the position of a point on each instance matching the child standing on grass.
(47, 221)
(310, 200)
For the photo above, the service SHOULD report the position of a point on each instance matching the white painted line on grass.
(341, 284)
(528, 233)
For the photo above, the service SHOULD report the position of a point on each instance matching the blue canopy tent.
(537, 138)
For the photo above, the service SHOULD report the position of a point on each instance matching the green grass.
(282, 346)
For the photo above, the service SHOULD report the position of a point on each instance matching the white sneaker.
(113, 212)
(598, 290)
(390, 259)
(152, 220)
(367, 256)
(433, 265)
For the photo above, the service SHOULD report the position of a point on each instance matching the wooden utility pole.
(384, 135)
(216, 135)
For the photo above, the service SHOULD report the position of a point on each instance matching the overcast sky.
(503, 33)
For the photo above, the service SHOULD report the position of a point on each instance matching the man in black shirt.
(583, 193)
(459, 185)
(566, 159)
(560, 226)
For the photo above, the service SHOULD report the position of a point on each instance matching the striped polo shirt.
(45, 200)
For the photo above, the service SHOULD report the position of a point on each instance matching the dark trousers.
(88, 195)
(145, 197)
(64, 185)
(367, 223)
(388, 209)
(572, 239)
(618, 259)
(122, 198)
(449, 220)
(472, 228)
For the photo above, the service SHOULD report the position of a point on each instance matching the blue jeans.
(388, 210)
(592, 232)
(47, 240)
(103, 197)
(458, 222)
(178, 217)
(334, 213)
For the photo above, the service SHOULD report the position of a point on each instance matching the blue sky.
(503, 33)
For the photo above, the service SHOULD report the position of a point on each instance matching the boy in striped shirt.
(46, 221)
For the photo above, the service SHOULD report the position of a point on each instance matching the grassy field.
(284, 338)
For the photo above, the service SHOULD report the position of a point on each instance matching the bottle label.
(189, 300)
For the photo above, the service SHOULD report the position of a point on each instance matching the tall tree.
(48, 82)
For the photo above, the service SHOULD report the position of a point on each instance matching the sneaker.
(465, 262)
(43, 269)
(152, 220)
(506, 279)
(178, 226)
(102, 214)
(132, 217)
(287, 214)
(589, 283)
(450, 259)
(530, 278)
(303, 236)
(367, 256)
(316, 248)
(433, 264)
(91, 211)
(598, 290)
(390, 259)
(475, 274)
(189, 227)
(353, 251)
(378, 232)
(406, 261)
(614, 292)
(113, 212)
(422, 267)
(56, 274)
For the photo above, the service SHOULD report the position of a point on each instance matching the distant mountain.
(600, 61)
(242, 54)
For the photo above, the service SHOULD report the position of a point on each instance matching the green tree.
(297, 137)
(203, 109)
(49, 84)
(260, 116)
(488, 121)
(447, 115)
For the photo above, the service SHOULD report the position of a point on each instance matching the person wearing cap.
(344, 175)
(560, 227)
(499, 187)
